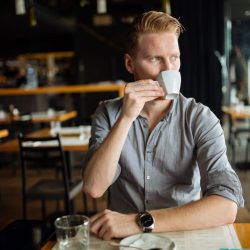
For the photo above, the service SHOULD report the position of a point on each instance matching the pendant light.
(33, 20)
(20, 7)
(101, 6)
(83, 3)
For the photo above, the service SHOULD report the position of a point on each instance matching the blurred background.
(94, 32)
(46, 43)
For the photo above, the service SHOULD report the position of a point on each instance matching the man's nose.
(167, 65)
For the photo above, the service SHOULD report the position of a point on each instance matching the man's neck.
(154, 111)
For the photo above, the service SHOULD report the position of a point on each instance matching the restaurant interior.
(60, 58)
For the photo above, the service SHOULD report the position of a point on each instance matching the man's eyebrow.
(151, 55)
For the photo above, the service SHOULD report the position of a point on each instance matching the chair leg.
(57, 205)
(95, 205)
(67, 206)
(72, 207)
(248, 142)
(24, 210)
(43, 209)
(233, 152)
(85, 202)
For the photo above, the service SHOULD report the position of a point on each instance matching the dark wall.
(204, 29)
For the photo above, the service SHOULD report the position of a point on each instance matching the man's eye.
(155, 59)
(174, 58)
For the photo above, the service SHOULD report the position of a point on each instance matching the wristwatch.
(145, 221)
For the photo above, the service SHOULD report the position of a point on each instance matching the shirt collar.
(173, 108)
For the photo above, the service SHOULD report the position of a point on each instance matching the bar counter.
(90, 88)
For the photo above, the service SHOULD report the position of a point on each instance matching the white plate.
(146, 241)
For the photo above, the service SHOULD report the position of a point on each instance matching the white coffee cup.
(170, 80)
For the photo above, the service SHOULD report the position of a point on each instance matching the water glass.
(72, 232)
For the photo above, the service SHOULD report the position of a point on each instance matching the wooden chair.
(44, 153)
(23, 126)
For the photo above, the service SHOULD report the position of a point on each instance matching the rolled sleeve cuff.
(226, 184)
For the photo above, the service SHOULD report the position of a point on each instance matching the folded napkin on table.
(146, 241)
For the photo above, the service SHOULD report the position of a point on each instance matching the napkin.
(147, 241)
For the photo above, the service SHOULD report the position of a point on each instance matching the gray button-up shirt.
(183, 158)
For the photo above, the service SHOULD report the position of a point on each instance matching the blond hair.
(151, 22)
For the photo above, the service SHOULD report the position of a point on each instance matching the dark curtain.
(204, 34)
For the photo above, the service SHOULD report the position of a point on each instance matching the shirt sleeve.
(99, 131)
(217, 175)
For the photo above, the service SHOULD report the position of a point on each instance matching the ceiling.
(59, 18)
(84, 10)
(62, 12)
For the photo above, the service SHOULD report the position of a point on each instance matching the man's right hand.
(137, 94)
(97, 178)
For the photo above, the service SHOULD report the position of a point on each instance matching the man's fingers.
(147, 93)
(141, 86)
(98, 215)
(108, 235)
(97, 220)
(150, 98)
(105, 232)
(96, 226)
(95, 217)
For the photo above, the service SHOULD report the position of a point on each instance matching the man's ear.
(129, 64)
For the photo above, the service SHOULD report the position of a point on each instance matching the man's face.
(155, 52)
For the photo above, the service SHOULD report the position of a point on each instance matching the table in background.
(40, 117)
(75, 140)
(90, 88)
(12, 145)
(4, 133)
(236, 113)
(100, 87)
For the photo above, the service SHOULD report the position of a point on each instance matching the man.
(163, 161)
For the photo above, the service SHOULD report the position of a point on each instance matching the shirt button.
(148, 177)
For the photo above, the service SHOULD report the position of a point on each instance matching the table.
(69, 145)
(40, 117)
(236, 113)
(242, 231)
(4, 133)
(12, 145)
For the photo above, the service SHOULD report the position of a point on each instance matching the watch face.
(147, 220)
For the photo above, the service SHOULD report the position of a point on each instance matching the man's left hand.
(109, 224)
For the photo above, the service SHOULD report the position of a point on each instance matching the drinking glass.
(72, 232)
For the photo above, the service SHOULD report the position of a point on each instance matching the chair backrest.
(41, 153)
(21, 126)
